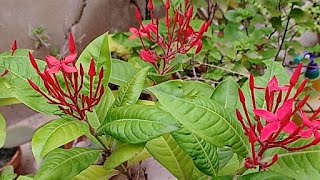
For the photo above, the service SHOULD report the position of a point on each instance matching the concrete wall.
(86, 18)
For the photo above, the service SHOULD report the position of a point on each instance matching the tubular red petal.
(72, 45)
(14, 47)
(190, 12)
(241, 96)
(33, 85)
(92, 69)
(167, 5)
(150, 5)
(300, 88)
(138, 15)
(101, 73)
(81, 70)
(295, 76)
(33, 62)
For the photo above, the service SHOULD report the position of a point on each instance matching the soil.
(5, 155)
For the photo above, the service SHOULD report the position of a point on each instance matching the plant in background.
(179, 36)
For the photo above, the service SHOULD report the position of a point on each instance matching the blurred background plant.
(243, 34)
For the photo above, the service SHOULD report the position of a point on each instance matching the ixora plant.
(195, 131)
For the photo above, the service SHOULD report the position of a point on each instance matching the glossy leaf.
(95, 172)
(224, 155)
(144, 154)
(137, 123)
(20, 70)
(121, 72)
(98, 50)
(231, 167)
(226, 94)
(65, 164)
(130, 92)
(166, 151)
(24, 178)
(56, 134)
(269, 175)
(122, 153)
(204, 155)
(105, 104)
(205, 118)
(3, 127)
(297, 165)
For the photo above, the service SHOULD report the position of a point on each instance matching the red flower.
(64, 65)
(68, 94)
(14, 47)
(147, 56)
(274, 121)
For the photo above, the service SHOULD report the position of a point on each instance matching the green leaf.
(121, 72)
(263, 175)
(93, 119)
(56, 134)
(204, 155)
(205, 118)
(3, 131)
(8, 173)
(226, 94)
(65, 164)
(24, 178)
(297, 14)
(122, 153)
(276, 23)
(187, 88)
(20, 70)
(105, 104)
(297, 165)
(166, 151)
(144, 154)
(136, 124)
(224, 155)
(98, 50)
(95, 172)
(231, 167)
(130, 92)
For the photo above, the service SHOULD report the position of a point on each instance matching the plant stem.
(284, 35)
(241, 170)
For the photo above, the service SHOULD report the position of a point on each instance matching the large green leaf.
(98, 50)
(56, 134)
(297, 165)
(20, 70)
(230, 167)
(95, 172)
(204, 155)
(122, 153)
(226, 94)
(105, 103)
(166, 151)
(224, 155)
(121, 72)
(3, 131)
(137, 123)
(144, 154)
(130, 92)
(181, 88)
(205, 118)
(65, 164)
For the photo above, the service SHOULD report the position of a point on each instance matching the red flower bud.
(241, 96)
(72, 46)
(295, 75)
(33, 85)
(101, 73)
(81, 70)
(14, 47)
(199, 47)
(33, 62)
(150, 5)
(92, 69)
(167, 5)
(138, 15)
(190, 12)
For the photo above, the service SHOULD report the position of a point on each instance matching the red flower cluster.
(68, 94)
(180, 36)
(273, 126)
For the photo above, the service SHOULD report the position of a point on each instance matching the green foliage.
(166, 151)
(3, 127)
(8, 173)
(56, 134)
(65, 164)
(95, 172)
(138, 123)
(205, 118)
